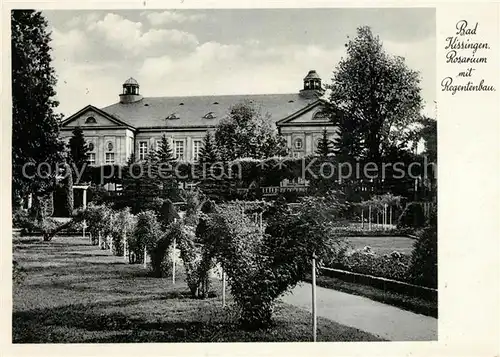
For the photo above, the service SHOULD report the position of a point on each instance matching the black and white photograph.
(225, 175)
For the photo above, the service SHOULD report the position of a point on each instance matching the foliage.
(424, 259)
(261, 265)
(208, 151)
(122, 227)
(78, 152)
(412, 216)
(35, 128)
(363, 261)
(377, 92)
(146, 234)
(68, 188)
(141, 185)
(245, 132)
(98, 218)
(325, 145)
(168, 213)
(18, 273)
(164, 153)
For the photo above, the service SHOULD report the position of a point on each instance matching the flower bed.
(364, 261)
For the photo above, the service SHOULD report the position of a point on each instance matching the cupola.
(130, 93)
(312, 86)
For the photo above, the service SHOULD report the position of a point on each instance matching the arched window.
(320, 115)
(110, 146)
(90, 120)
(91, 147)
(298, 144)
(210, 115)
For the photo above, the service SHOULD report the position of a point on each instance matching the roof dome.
(312, 75)
(131, 82)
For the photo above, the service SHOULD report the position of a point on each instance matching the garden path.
(382, 320)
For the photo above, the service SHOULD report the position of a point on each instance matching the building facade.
(135, 124)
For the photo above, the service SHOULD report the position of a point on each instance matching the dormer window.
(172, 116)
(90, 120)
(210, 115)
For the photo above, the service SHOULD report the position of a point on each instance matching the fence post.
(173, 257)
(362, 219)
(173, 262)
(314, 319)
(223, 288)
(145, 258)
(125, 247)
(370, 218)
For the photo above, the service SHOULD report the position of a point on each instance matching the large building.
(136, 124)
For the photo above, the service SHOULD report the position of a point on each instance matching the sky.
(238, 51)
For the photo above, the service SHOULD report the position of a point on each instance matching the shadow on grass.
(54, 325)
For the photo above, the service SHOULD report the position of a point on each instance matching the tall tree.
(325, 145)
(164, 153)
(208, 152)
(35, 126)
(377, 91)
(245, 132)
(78, 150)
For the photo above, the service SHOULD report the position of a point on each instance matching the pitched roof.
(97, 110)
(204, 111)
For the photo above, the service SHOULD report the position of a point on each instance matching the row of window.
(178, 149)
(298, 143)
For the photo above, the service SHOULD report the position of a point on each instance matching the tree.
(325, 145)
(348, 145)
(78, 148)
(208, 152)
(246, 133)
(164, 153)
(377, 91)
(35, 126)
(78, 151)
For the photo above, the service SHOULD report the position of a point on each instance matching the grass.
(410, 303)
(74, 293)
(383, 245)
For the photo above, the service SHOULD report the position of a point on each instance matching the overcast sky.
(201, 52)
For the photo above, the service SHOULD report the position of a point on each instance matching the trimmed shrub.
(364, 261)
(424, 264)
(261, 266)
(413, 216)
(97, 218)
(146, 234)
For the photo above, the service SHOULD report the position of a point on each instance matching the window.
(320, 115)
(110, 158)
(143, 150)
(91, 158)
(316, 142)
(196, 149)
(90, 120)
(296, 155)
(179, 149)
(210, 115)
(110, 146)
(91, 147)
(172, 116)
(299, 144)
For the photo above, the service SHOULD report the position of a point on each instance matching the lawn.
(75, 293)
(383, 245)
